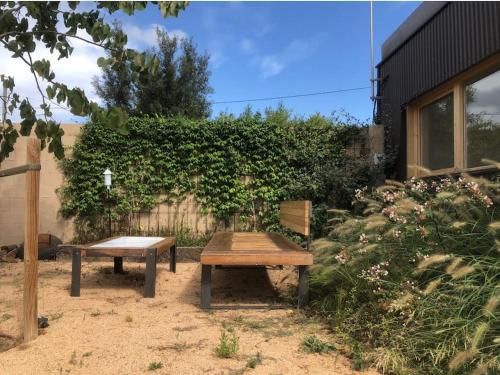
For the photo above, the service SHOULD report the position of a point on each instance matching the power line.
(292, 96)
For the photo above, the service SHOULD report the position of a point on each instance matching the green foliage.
(313, 344)
(228, 344)
(178, 86)
(181, 84)
(153, 366)
(28, 26)
(242, 166)
(115, 86)
(254, 361)
(415, 276)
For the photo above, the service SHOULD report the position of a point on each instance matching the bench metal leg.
(173, 258)
(118, 266)
(206, 278)
(76, 270)
(149, 285)
(303, 286)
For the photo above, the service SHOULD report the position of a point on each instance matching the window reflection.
(482, 116)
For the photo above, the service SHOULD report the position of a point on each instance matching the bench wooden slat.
(296, 215)
(243, 248)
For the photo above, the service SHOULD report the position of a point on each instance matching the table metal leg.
(118, 266)
(206, 278)
(76, 270)
(303, 286)
(149, 286)
(173, 258)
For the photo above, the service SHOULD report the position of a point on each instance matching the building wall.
(459, 36)
(12, 194)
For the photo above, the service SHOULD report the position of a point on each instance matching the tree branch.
(9, 33)
(39, 88)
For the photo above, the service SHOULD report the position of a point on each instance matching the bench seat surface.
(249, 249)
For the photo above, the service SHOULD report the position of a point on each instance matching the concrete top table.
(119, 247)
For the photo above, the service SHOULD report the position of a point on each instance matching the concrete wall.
(12, 194)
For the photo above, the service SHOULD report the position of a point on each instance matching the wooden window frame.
(413, 134)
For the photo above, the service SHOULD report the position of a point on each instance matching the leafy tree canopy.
(179, 87)
(26, 27)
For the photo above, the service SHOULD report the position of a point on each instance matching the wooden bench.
(261, 249)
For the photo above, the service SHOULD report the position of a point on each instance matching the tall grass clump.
(415, 275)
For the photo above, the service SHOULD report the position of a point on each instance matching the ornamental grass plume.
(491, 306)
(453, 265)
(432, 286)
(462, 272)
(494, 225)
(433, 260)
(458, 224)
(374, 222)
(322, 243)
(462, 357)
(417, 275)
(479, 334)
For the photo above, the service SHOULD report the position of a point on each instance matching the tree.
(115, 86)
(29, 26)
(181, 84)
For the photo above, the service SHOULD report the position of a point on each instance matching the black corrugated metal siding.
(459, 36)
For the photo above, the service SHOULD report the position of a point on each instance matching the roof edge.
(410, 26)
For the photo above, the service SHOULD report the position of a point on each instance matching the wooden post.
(30, 297)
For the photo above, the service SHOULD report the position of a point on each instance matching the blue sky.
(268, 49)
(257, 49)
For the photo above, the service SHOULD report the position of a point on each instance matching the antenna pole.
(372, 77)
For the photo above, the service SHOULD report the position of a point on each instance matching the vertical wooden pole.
(30, 297)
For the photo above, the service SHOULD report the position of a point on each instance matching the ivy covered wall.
(243, 166)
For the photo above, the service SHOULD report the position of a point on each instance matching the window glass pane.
(436, 127)
(482, 113)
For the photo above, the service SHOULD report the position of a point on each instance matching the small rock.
(43, 321)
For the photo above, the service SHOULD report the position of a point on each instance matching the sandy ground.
(112, 329)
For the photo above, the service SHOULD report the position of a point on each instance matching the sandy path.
(111, 329)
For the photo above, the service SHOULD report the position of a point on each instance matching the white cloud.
(270, 66)
(75, 71)
(296, 50)
(140, 37)
(217, 58)
(247, 46)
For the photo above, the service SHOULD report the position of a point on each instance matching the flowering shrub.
(416, 275)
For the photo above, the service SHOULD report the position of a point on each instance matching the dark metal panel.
(457, 37)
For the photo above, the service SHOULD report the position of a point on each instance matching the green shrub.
(243, 166)
(254, 361)
(312, 344)
(153, 366)
(228, 344)
(415, 276)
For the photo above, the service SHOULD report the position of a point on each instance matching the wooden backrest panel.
(43, 239)
(296, 215)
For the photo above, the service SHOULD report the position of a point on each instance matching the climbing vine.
(243, 166)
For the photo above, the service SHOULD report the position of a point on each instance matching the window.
(456, 127)
(436, 126)
(482, 115)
